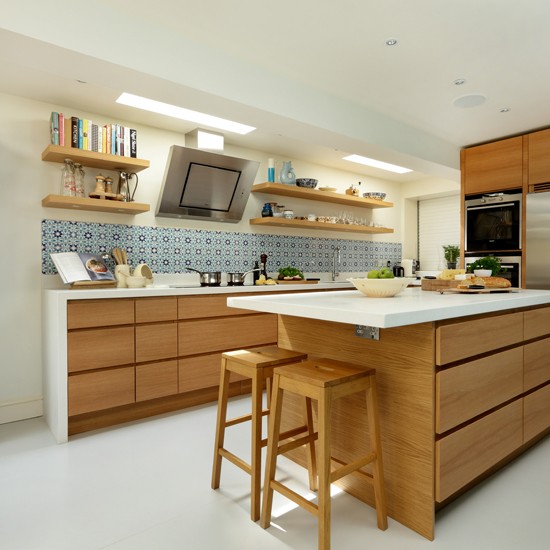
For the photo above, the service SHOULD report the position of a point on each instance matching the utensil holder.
(121, 272)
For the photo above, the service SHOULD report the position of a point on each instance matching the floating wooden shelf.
(305, 224)
(56, 153)
(96, 205)
(316, 195)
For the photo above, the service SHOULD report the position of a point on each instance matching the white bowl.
(381, 288)
(483, 272)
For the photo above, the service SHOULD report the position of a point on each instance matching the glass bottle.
(79, 180)
(68, 186)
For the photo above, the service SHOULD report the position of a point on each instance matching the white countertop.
(411, 306)
(90, 293)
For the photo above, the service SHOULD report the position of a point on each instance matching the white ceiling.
(314, 76)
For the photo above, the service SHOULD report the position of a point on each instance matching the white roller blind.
(438, 224)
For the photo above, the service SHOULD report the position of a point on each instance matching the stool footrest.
(235, 460)
(294, 444)
(346, 469)
(295, 497)
(241, 419)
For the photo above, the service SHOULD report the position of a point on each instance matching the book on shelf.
(133, 143)
(74, 131)
(54, 128)
(61, 129)
(82, 269)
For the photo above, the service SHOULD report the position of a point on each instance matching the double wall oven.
(492, 227)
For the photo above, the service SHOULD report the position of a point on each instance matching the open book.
(82, 268)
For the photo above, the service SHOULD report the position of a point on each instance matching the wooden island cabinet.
(458, 397)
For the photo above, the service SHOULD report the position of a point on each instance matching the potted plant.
(489, 263)
(451, 252)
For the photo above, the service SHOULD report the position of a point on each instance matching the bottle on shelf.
(68, 184)
(79, 180)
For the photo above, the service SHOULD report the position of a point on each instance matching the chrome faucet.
(335, 262)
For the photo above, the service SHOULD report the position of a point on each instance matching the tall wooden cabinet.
(539, 157)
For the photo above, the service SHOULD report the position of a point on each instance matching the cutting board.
(438, 284)
(477, 290)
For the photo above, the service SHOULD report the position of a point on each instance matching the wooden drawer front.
(536, 322)
(197, 373)
(536, 362)
(196, 307)
(99, 313)
(470, 389)
(536, 413)
(458, 341)
(156, 342)
(195, 337)
(467, 453)
(95, 391)
(98, 348)
(150, 310)
(539, 156)
(156, 380)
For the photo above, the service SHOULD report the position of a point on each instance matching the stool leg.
(220, 423)
(272, 451)
(256, 446)
(378, 469)
(311, 458)
(323, 501)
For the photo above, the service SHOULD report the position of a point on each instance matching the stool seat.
(324, 380)
(257, 364)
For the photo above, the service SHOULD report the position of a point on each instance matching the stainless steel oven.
(511, 267)
(493, 223)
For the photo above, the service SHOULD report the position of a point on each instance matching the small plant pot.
(483, 272)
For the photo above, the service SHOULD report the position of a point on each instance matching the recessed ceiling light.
(183, 114)
(391, 42)
(459, 81)
(470, 100)
(377, 164)
(505, 109)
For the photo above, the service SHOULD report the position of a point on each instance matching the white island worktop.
(411, 306)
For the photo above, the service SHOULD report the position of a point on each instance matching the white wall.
(25, 179)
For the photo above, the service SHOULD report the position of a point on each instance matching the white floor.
(146, 486)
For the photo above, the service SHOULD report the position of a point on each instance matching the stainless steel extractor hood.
(205, 186)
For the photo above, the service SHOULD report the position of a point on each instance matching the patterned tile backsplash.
(171, 250)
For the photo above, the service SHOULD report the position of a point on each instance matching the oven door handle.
(485, 206)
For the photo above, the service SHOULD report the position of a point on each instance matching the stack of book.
(113, 139)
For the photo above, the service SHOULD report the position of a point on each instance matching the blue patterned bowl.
(306, 182)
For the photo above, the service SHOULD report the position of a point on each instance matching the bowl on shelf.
(306, 182)
(381, 288)
(375, 195)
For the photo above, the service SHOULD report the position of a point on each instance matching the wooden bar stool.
(256, 364)
(323, 380)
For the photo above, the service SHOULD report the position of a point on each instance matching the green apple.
(387, 275)
(373, 274)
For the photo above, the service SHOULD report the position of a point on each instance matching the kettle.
(398, 271)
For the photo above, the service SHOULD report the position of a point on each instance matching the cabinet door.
(467, 453)
(536, 363)
(539, 156)
(536, 322)
(493, 166)
(95, 391)
(162, 308)
(467, 390)
(536, 413)
(156, 380)
(203, 371)
(99, 313)
(210, 335)
(196, 307)
(99, 348)
(158, 341)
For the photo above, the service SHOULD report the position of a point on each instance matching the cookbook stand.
(94, 284)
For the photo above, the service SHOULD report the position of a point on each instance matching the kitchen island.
(463, 382)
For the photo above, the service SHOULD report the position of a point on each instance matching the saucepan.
(208, 278)
(237, 278)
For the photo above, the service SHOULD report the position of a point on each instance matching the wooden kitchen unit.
(458, 397)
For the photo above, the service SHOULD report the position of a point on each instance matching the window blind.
(438, 225)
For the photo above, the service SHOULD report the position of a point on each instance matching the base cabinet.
(131, 358)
